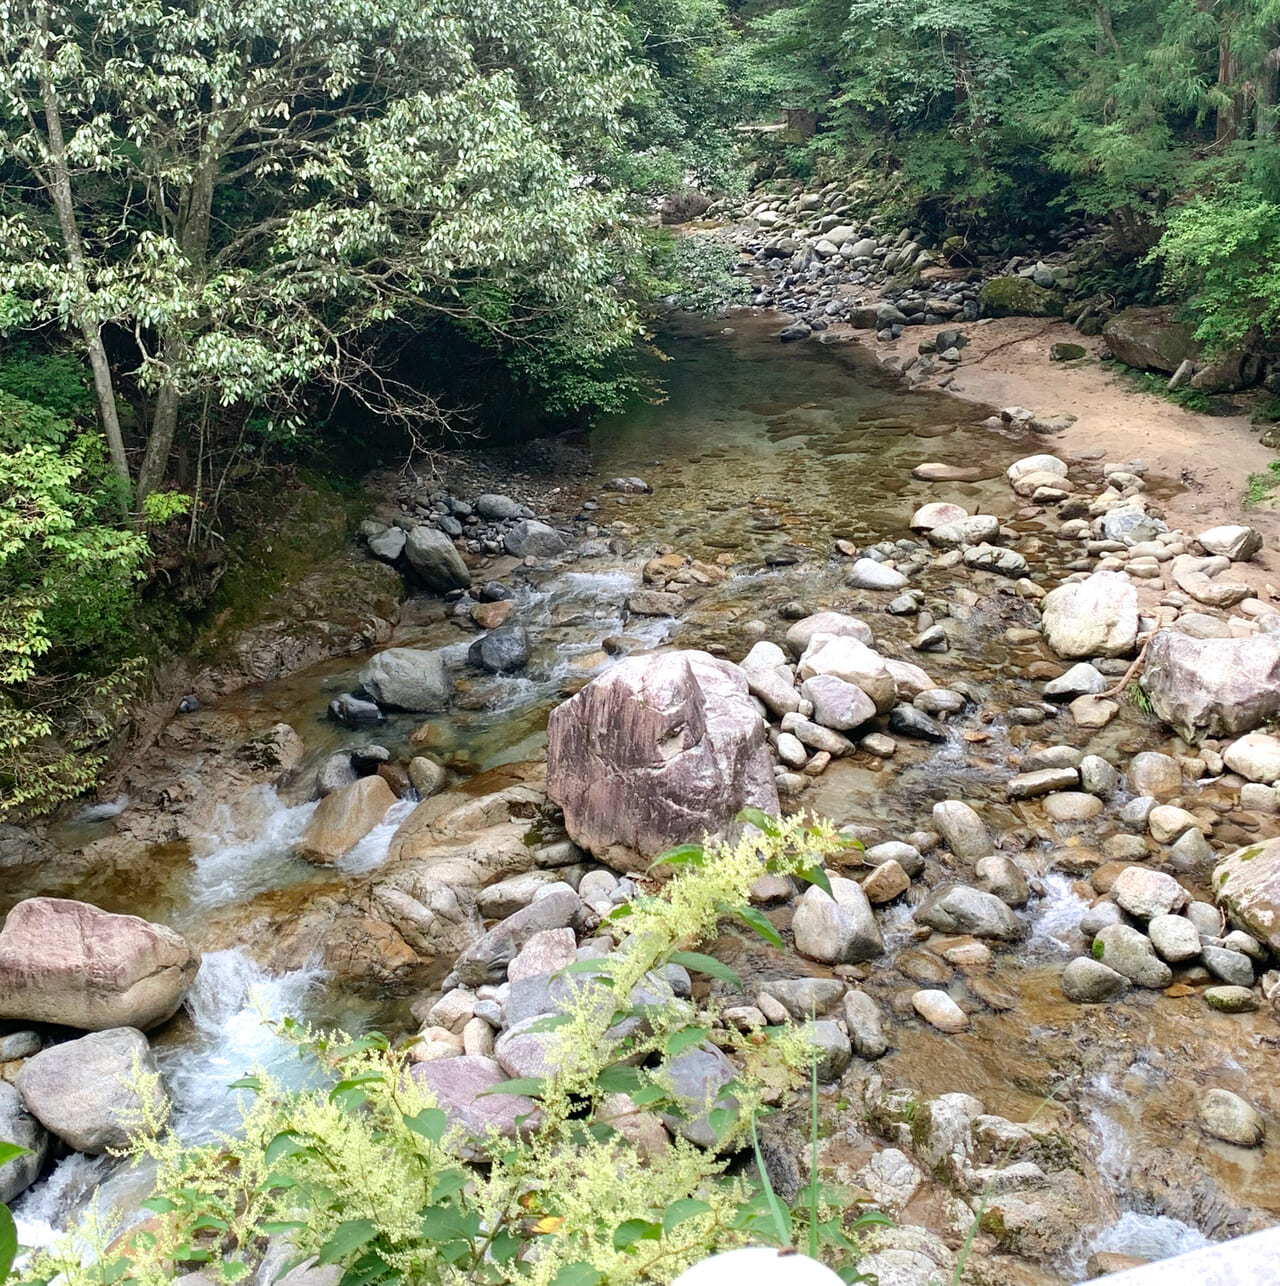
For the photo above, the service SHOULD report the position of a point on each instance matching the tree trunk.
(194, 221)
(164, 424)
(64, 204)
(1265, 107)
(1230, 116)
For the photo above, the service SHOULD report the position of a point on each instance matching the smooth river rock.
(408, 678)
(343, 818)
(70, 963)
(1097, 616)
(87, 1091)
(1230, 1118)
(836, 930)
(1247, 885)
(961, 828)
(436, 560)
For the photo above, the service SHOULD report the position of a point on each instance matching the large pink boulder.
(1213, 687)
(658, 751)
(73, 964)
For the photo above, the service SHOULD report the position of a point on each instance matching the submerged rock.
(1228, 1117)
(70, 963)
(657, 751)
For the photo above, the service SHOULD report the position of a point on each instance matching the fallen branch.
(1128, 674)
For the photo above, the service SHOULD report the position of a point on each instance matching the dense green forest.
(230, 232)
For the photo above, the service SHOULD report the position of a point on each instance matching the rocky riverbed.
(1044, 983)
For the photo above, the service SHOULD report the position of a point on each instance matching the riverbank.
(857, 570)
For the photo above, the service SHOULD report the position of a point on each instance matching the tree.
(230, 197)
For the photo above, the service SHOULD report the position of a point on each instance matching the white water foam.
(250, 851)
(371, 852)
(230, 1005)
(41, 1212)
(102, 812)
(1057, 918)
(1148, 1236)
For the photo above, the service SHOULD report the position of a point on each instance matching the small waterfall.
(230, 1005)
(1145, 1235)
(251, 850)
(371, 852)
(41, 1213)
(101, 812)
(1057, 918)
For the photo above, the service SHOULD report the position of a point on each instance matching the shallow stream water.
(763, 455)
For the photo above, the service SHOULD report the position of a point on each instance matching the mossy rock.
(1149, 339)
(1018, 297)
(1066, 352)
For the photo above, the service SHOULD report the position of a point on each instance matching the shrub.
(366, 1172)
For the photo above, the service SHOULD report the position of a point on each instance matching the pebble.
(1228, 1117)
(1090, 982)
(940, 1011)
(1231, 1000)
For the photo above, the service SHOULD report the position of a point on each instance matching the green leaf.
(161, 1205)
(285, 1144)
(679, 1211)
(696, 962)
(208, 1222)
(816, 875)
(348, 1236)
(761, 821)
(351, 1090)
(780, 1214)
(446, 1223)
(253, 1083)
(12, 1151)
(448, 1183)
(577, 1275)
(533, 1086)
(681, 1040)
(505, 1246)
(233, 1270)
(619, 1078)
(648, 1095)
(430, 1123)
(619, 912)
(276, 1181)
(633, 1230)
(720, 1119)
(756, 919)
(691, 855)
(8, 1241)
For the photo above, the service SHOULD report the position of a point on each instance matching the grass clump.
(1258, 487)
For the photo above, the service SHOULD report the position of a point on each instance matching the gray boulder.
(89, 1092)
(695, 1080)
(389, 544)
(1129, 952)
(1090, 982)
(1097, 616)
(532, 539)
(17, 1125)
(660, 750)
(70, 963)
(839, 929)
(961, 828)
(495, 508)
(408, 678)
(501, 651)
(436, 560)
(831, 1051)
(866, 1025)
(960, 909)
(1213, 687)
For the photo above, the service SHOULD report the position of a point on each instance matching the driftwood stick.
(1128, 674)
